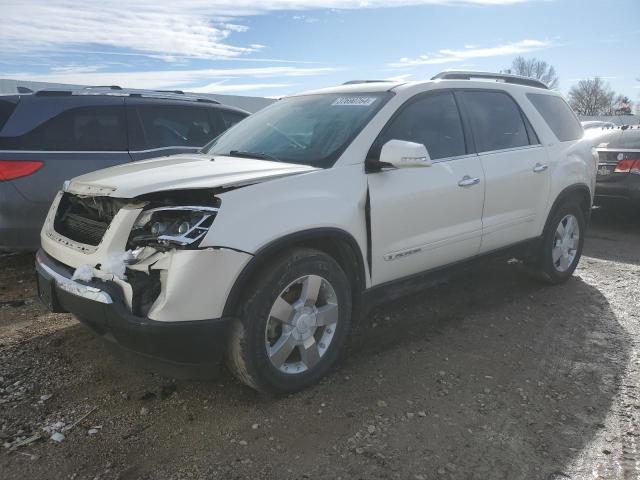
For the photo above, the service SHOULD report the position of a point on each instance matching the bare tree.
(535, 68)
(592, 97)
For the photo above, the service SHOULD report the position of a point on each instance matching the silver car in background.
(50, 136)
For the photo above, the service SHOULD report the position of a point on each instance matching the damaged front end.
(176, 220)
(150, 247)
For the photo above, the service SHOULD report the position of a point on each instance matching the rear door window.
(558, 115)
(90, 128)
(496, 120)
(163, 126)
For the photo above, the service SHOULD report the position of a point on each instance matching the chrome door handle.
(467, 181)
(540, 168)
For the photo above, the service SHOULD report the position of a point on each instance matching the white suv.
(265, 245)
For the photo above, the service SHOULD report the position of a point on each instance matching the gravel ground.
(488, 376)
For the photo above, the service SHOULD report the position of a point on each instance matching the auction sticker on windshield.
(354, 101)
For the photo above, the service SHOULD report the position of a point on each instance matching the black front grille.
(84, 229)
(85, 219)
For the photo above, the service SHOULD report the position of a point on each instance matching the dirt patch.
(488, 376)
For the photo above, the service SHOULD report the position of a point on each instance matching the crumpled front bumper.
(100, 305)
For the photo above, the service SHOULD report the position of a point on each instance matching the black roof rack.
(109, 87)
(500, 77)
(53, 93)
(355, 82)
(130, 92)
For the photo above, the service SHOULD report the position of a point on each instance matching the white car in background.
(263, 247)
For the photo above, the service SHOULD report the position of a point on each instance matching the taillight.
(11, 169)
(628, 163)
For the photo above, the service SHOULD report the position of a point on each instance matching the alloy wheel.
(565, 243)
(301, 324)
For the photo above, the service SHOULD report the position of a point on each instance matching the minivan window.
(6, 109)
(558, 115)
(432, 120)
(309, 129)
(231, 118)
(94, 128)
(496, 120)
(164, 126)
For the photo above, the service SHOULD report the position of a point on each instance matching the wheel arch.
(337, 243)
(578, 191)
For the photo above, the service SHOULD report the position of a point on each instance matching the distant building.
(617, 119)
(250, 104)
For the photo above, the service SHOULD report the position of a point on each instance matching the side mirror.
(403, 154)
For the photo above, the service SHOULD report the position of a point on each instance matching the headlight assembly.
(183, 226)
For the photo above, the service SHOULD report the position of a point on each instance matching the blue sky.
(277, 47)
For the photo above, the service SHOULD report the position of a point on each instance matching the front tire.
(293, 323)
(561, 246)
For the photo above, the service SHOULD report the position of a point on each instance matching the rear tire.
(293, 324)
(561, 246)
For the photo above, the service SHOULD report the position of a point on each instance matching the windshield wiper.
(260, 155)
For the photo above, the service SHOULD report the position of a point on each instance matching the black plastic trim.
(265, 253)
(580, 188)
(417, 282)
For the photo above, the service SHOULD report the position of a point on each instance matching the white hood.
(178, 172)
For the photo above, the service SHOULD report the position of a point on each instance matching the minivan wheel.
(293, 324)
(561, 245)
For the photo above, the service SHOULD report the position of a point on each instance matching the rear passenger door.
(514, 163)
(160, 129)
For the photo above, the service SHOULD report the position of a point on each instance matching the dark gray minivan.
(50, 136)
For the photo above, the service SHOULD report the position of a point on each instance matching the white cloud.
(170, 79)
(400, 78)
(190, 28)
(469, 52)
(305, 18)
(240, 87)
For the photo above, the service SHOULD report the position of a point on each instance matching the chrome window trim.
(101, 151)
(513, 149)
(164, 148)
(457, 157)
(64, 151)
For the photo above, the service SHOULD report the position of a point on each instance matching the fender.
(304, 237)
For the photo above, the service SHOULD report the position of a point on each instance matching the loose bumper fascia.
(100, 305)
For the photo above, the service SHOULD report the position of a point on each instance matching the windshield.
(311, 129)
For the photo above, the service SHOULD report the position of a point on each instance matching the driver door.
(425, 217)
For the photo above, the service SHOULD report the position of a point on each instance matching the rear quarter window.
(558, 115)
